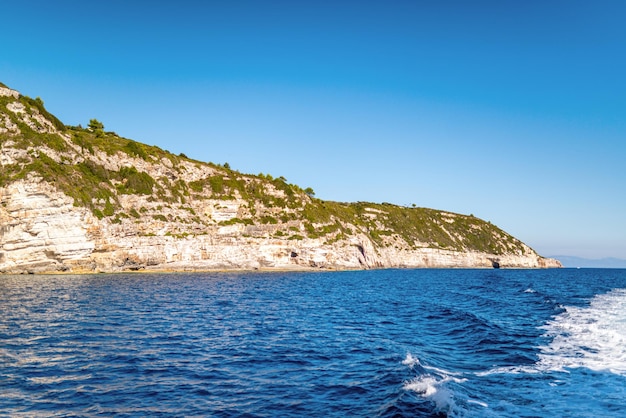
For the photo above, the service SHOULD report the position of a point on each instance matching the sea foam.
(593, 337)
(432, 383)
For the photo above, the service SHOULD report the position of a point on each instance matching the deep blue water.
(390, 343)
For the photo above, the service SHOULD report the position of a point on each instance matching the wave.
(592, 337)
(438, 386)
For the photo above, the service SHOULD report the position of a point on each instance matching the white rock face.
(7, 125)
(42, 231)
(7, 92)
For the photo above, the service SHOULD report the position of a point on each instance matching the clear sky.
(514, 111)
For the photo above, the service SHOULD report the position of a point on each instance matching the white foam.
(483, 404)
(593, 337)
(432, 388)
(432, 385)
(410, 361)
(510, 370)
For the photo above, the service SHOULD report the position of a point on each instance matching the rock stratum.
(85, 200)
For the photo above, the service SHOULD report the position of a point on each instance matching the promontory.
(78, 200)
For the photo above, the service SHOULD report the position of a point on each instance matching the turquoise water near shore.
(460, 343)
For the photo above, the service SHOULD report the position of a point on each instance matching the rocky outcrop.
(40, 229)
(7, 92)
(75, 200)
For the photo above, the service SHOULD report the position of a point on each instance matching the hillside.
(82, 199)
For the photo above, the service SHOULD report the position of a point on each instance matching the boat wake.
(592, 337)
(578, 340)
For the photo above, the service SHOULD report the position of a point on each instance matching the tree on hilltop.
(96, 126)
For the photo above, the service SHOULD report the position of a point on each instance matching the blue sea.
(385, 343)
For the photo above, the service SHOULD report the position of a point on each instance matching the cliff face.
(77, 200)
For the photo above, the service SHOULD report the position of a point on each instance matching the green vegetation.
(135, 149)
(37, 103)
(136, 182)
(269, 220)
(234, 221)
(96, 127)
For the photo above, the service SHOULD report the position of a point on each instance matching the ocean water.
(389, 343)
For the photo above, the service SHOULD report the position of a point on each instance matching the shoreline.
(257, 270)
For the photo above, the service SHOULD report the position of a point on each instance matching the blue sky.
(514, 111)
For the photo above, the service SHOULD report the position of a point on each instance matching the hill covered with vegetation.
(123, 188)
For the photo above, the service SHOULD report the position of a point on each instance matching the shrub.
(237, 221)
(136, 149)
(38, 104)
(109, 210)
(217, 184)
(197, 186)
(136, 182)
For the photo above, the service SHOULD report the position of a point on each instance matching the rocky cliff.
(86, 200)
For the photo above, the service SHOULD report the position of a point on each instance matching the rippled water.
(462, 343)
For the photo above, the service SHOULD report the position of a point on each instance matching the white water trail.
(592, 337)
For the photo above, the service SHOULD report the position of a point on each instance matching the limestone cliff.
(77, 200)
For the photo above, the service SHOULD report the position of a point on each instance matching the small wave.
(433, 389)
(433, 384)
(509, 370)
(593, 337)
(410, 361)
(55, 380)
(479, 403)
(530, 290)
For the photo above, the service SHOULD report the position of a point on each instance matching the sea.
(378, 343)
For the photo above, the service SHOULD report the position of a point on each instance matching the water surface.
(462, 343)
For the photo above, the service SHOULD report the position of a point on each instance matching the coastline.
(295, 269)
